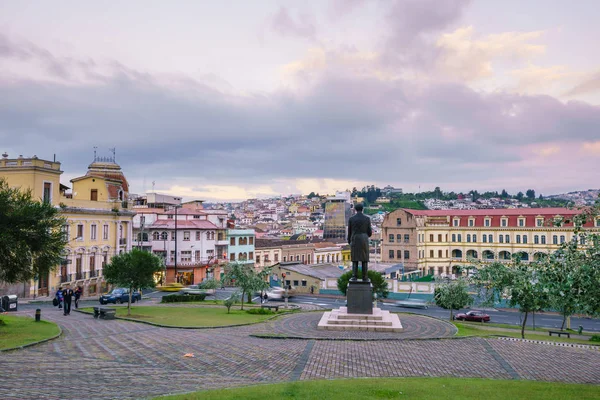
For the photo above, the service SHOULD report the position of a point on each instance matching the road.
(544, 320)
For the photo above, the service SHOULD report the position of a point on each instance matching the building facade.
(241, 245)
(337, 214)
(440, 242)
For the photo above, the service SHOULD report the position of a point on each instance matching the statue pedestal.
(360, 297)
(378, 321)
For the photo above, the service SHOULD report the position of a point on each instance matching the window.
(80, 232)
(518, 238)
(562, 239)
(65, 231)
(487, 222)
(507, 239)
(439, 238)
(490, 238)
(284, 258)
(105, 232)
(521, 221)
(172, 235)
(468, 238)
(459, 237)
(164, 236)
(524, 239)
(251, 240)
(220, 236)
(431, 238)
(501, 237)
(554, 239)
(94, 194)
(303, 282)
(406, 238)
(484, 238)
(504, 222)
(199, 235)
(471, 222)
(186, 235)
(454, 237)
(406, 254)
(297, 257)
(251, 255)
(232, 241)
(398, 254)
(391, 254)
(276, 257)
(474, 238)
(539, 222)
(398, 221)
(296, 283)
(399, 238)
(439, 254)
(536, 239)
(186, 255)
(598, 223)
(231, 256)
(543, 239)
(391, 238)
(47, 192)
(93, 232)
(456, 222)
(198, 256)
(210, 253)
(431, 253)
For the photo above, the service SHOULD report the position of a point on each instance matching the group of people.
(64, 297)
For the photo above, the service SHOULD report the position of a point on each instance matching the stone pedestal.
(360, 297)
(378, 321)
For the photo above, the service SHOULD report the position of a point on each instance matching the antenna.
(114, 151)
(95, 148)
(153, 183)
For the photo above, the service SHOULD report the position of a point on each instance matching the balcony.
(79, 275)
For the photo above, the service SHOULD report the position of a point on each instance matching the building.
(337, 214)
(241, 245)
(328, 253)
(439, 242)
(304, 278)
(267, 253)
(99, 218)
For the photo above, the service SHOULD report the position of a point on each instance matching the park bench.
(269, 306)
(559, 333)
(104, 313)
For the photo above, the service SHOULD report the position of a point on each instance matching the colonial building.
(328, 253)
(241, 245)
(440, 241)
(99, 219)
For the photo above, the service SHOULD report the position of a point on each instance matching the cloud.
(304, 25)
(590, 84)
(592, 147)
(536, 79)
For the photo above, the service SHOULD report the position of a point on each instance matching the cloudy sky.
(235, 99)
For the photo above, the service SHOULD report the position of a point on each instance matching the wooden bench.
(560, 333)
(269, 306)
(104, 313)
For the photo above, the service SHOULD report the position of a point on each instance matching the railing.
(79, 275)
(65, 278)
(123, 241)
(92, 274)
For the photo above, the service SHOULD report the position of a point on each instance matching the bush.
(595, 338)
(260, 311)
(179, 298)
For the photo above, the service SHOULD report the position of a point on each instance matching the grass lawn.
(18, 331)
(190, 316)
(403, 388)
(475, 329)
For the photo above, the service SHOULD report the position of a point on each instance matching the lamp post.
(176, 207)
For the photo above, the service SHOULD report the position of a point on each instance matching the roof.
(148, 210)
(186, 211)
(319, 271)
(182, 224)
(394, 268)
(496, 211)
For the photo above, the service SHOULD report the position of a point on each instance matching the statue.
(359, 232)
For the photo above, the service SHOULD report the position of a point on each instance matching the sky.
(231, 100)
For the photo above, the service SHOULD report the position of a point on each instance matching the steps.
(379, 321)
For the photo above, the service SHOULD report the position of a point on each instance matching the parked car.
(279, 293)
(195, 289)
(120, 295)
(411, 303)
(477, 316)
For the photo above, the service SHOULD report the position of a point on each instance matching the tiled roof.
(319, 271)
(182, 224)
(497, 211)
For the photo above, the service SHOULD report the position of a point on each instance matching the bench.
(559, 333)
(269, 306)
(104, 313)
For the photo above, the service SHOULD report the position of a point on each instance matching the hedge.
(182, 298)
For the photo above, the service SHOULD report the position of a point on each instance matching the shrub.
(595, 338)
(179, 298)
(260, 311)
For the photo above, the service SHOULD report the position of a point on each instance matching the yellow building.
(439, 242)
(99, 222)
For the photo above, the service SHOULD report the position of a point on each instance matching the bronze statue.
(359, 232)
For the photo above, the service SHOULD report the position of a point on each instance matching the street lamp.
(176, 207)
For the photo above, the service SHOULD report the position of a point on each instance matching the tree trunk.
(562, 327)
(243, 295)
(129, 304)
(523, 327)
(451, 316)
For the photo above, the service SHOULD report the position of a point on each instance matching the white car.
(277, 293)
(195, 289)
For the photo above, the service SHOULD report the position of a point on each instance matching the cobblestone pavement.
(96, 359)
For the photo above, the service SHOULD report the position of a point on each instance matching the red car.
(477, 316)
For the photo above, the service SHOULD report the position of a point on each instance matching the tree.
(380, 286)
(530, 193)
(504, 194)
(31, 241)
(246, 277)
(452, 295)
(133, 270)
(520, 196)
(231, 300)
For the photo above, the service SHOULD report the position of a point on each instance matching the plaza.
(118, 359)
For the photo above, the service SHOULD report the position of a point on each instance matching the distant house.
(302, 277)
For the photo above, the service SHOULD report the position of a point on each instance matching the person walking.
(59, 297)
(78, 292)
(67, 296)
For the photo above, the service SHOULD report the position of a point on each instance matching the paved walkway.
(97, 359)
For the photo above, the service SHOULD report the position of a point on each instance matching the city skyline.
(231, 101)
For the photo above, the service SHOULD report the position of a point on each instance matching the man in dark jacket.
(359, 232)
(67, 296)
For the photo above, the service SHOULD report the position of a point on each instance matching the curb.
(60, 332)
(556, 344)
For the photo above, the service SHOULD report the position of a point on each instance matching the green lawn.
(475, 329)
(18, 331)
(190, 316)
(403, 388)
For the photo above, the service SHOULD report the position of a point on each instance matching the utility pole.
(176, 243)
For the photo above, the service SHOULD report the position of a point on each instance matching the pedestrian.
(67, 296)
(78, 292)
(59, 297)
(265, 297)
(312, 290)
